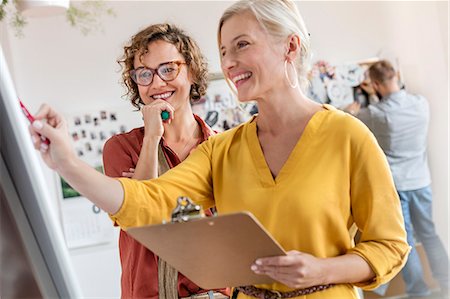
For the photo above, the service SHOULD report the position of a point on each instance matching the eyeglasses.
(167, 71)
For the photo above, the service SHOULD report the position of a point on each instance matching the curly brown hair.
(187, 47)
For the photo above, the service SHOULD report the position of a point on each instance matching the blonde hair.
(187, 47)
(280, 19)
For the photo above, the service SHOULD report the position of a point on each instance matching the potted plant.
(85, 15)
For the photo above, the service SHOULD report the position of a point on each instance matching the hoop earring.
(287, 76)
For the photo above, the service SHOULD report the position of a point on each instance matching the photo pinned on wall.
(75, 136)
(102, 135)
(67, 190)
(219, 107)
(88, 147)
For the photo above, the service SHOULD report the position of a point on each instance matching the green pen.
(165, 115)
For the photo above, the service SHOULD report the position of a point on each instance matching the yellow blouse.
(335, 176)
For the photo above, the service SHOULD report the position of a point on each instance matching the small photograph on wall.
(67, 190)
(80, 152)
(75, 136)
(102, 135)
(123, 129)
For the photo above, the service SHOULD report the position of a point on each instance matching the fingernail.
(34, 138)
(254, 267)
(44, 146)
(37, 124)
(258, 262)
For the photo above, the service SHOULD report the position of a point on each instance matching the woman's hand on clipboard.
(297, 270)
(300, 270)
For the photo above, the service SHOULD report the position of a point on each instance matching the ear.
(190, 77)
(293, 47)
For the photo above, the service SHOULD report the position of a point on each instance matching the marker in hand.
(165, 115)
(31, 119)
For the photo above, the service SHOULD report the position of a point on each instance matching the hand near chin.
(296, 270)
(151, 114)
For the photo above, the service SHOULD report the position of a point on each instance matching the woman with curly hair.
(163, 70)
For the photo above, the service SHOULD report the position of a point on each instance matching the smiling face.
(250, 58)
(176, 92)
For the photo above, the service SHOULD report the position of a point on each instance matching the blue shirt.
(400, 124)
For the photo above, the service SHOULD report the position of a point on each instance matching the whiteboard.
(29, 200)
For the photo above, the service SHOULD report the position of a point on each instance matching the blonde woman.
(163, 70)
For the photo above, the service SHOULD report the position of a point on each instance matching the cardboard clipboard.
(213, 252)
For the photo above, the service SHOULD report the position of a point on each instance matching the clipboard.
(214, 252)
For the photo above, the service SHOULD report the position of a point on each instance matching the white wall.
(56, 64)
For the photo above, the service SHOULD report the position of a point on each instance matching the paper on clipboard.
(213, 252)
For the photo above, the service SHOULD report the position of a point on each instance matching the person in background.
(400, 121)
(162, 69)
(306, 171)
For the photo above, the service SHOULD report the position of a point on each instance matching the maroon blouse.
(140, 265)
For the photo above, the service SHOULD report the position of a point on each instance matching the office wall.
(56, 64)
